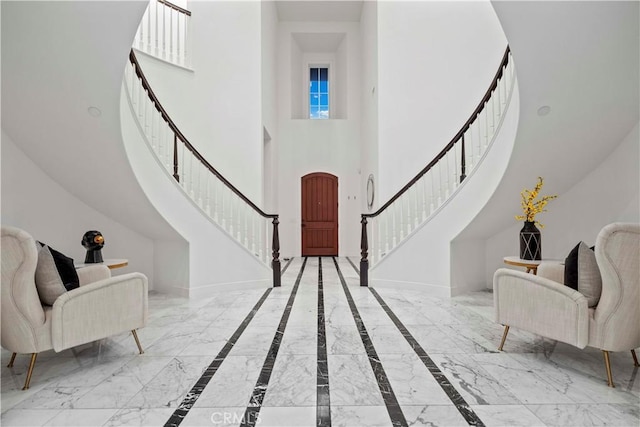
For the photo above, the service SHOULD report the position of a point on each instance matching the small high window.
(318, 93)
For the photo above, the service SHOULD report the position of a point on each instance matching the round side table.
(111, 263)
(529, 264)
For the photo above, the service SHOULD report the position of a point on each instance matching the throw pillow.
(581, 273)
(55, 274)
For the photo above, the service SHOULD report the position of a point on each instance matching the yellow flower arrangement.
(530, 206)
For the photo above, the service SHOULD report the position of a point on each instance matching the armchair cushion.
(106, 307)
(93, 273)
(55, 274)
(582, 273)
(541, 306)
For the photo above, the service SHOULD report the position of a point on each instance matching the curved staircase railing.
(164, 32)
(417, 201)
(211, 192)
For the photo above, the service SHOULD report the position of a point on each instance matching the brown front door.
(319, 215)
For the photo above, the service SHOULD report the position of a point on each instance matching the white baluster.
(138, 101)
(372, 240)
(448, 176)
(223, 205)
(440, 184)
(140, 37)
(207, 207)
(164, 32)
(216, 197)
(246, 226)
(200, 186)
(162, 149)
(381, 239)
(186, 40)
(500, 95)
(505, 84)
(152, 127)
(253, 232)
(493, 118)
(266, 241)
(182, 160)
(432, 207)
(457, 171)
(134, 85)
(423, 192)
(400, 218)
(178, 57)
(171, 50)
(393, 221)
(236, 217)
(486, 131)
(260, 236)
(147, 18)
(409, 213)
(191, 194)
(416, 202)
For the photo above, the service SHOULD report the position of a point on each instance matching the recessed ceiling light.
(544, 110)
(94, 112)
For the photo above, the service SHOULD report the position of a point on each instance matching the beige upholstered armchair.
(545, 306)
(102, 306)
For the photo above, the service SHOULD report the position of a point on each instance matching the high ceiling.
(312, 10)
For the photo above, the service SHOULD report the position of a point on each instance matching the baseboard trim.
(213, 289)
(436, 290)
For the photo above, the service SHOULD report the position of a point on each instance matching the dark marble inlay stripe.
(323, 408)
(461, 405)
(190, 399)
(353, 265)
(389, 397)
(252, 412)
(286, 266)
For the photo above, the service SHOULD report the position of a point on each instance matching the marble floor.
(320, 350)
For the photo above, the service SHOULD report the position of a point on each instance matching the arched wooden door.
(319, 214)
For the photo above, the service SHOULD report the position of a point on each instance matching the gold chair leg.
(135, 336)
(30, 371)
(504, 337)
(635, 358)
(13, 357)
(607, 365)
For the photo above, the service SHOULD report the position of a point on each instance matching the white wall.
(269, 41)
(369, 100)
(319, 146)
(32, 201)
(436, 60)
(608, 194)
(211, 259)
(341, 99)
(426, 258)
(217, 106)
(306, 146)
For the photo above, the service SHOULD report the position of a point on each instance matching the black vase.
(530, 242)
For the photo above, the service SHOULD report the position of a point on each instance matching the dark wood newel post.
(175, 157)
(364, 253)
(463, 163)
(275, 263)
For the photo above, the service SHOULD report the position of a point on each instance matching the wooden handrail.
(185, 141)
(275, 242)
(364, 243)
(175, 7)
(452, 143)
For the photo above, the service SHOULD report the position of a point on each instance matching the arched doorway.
(319, 214)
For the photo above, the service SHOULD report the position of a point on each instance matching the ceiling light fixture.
(544, 110)
(94, 111)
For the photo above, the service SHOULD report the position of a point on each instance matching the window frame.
(307, 87)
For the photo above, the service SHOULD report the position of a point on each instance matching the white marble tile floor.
(534, 382)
